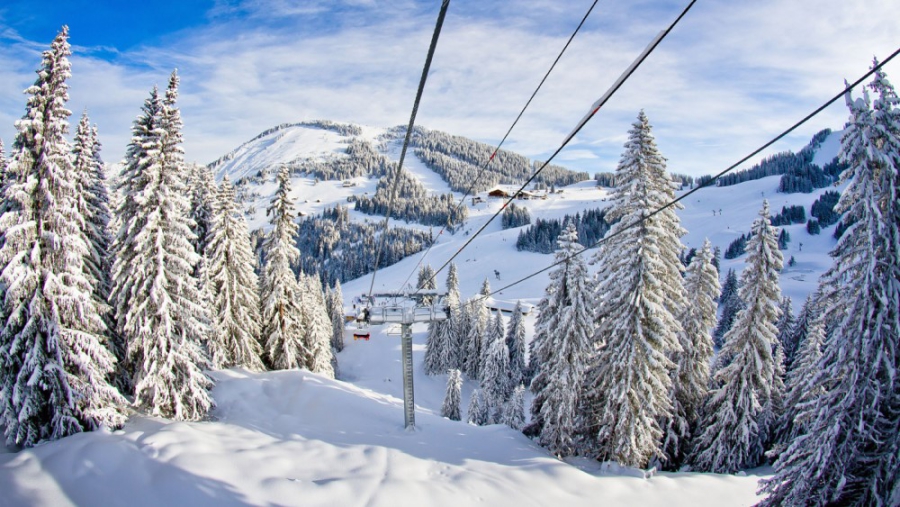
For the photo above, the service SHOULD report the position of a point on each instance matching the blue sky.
(730, 76)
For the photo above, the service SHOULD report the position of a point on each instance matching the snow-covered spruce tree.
(234, 287)
(4, 164)
(801, 394)
(427, 280)
(53, 361)
(437, 347)
(282, 333)
(565, 349)
(785, 325)
(485, 288)
(335, 306)
(690, 378)
(93, 203)
(452, 399)
(316, 326)
(155, 297)
(203, 195)
(477, 412)
(746, 399)
(639, 291)
(475, 339)
(848, 454)
(495, 379)
(514, 413)
(456, 322)
(731, 304)
(792, 345)
(515, 342)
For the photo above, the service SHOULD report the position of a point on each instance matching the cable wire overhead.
(502, 141)
(594, 108)
(715, 178)
(412, 121)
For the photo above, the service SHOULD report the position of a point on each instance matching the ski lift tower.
(405, 309)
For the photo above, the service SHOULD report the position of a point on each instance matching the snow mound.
(294, 438)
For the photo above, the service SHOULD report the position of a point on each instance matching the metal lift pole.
(409, 402)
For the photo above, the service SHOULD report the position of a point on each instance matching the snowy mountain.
(321, 148)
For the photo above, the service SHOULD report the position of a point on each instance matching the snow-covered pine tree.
(437, 347)
(54, 364)
(316, 326)
(808, 313)
(495, 378)
(4, 164)
(282, 333)
(515, 342)
(690, 379)
(485, 288)
(785, 324)
(639, 291)
(731, 304)
(739, 414)
(565, 348)
(203, 194)
(154, 294)
(848, 453)
(801, 394)
(93, 203)
(335, 306)
(477, 412)
(514, 413)
(453, 398)
(427, 281)
(203, 198)
(457, 323)
(234, 287)
(477, 326)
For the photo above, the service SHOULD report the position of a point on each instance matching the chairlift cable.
(502, 141)
(593, 111)
(409, 129)
(715, 178)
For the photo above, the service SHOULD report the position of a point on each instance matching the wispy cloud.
(728, 78)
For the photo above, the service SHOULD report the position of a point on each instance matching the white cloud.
(727, 79)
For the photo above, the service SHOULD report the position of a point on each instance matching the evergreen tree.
(639, 292)
(158, 308)
(477, 412)
(485, 288)
(691, 376)
(203, 195)
(316, 327)
(495, 381)
(427, 281)
(234, 286)
(457, 322)
(564, 348)
(808, 313)
(514, 413)
(731, 304)
(848, 452)
(450, 408)
(437, 348)
(4, 165)
(478, 323)
(785, 325)
(515, 342)
(53, 362)
(335, 306)
(282, 315)
(739, 414)
(801, 394)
